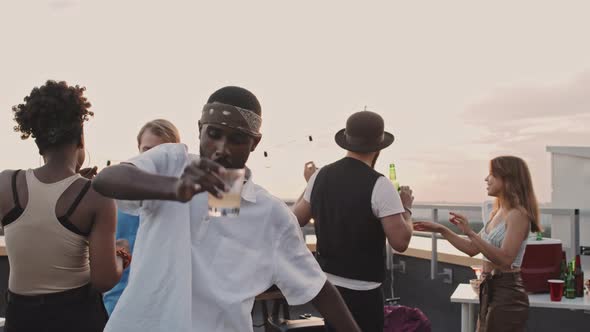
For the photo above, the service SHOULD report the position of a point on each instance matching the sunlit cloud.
(62, 4)
(522, 121)
(525, 103)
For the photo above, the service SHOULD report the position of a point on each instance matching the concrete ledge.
(442, 257)
(421, 247)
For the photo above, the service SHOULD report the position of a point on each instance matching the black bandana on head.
(232, 116)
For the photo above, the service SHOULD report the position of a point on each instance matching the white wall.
(570, 189)
(570, 181)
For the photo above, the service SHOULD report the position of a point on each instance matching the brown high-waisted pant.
(504, 304)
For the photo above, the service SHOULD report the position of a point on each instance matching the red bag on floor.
(405, 319)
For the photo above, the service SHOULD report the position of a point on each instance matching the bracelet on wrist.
(125, 256)
(408, 210)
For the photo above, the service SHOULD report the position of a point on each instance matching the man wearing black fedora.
(355, 209)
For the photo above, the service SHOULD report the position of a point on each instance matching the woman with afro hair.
(60, 233)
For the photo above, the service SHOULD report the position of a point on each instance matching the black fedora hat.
(364, 132)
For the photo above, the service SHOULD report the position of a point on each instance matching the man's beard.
(223, 161)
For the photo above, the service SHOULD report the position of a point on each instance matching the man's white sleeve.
(385, 199)
(309, 188)
(295, 271)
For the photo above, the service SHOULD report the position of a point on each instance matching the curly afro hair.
(53, 114)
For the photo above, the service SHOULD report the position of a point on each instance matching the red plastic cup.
(556, 289)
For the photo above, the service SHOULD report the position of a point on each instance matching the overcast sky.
(457, 82)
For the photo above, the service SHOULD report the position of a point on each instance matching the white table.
(465, 295)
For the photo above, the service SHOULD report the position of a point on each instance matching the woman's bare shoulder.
(6, 199)
(6, 180)
(517, 216)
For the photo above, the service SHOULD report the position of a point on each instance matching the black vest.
(351, 241)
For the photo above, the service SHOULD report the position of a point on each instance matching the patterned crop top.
(496, 237)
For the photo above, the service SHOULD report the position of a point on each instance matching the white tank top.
(45, 257)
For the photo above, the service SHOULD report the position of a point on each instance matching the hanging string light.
(112, 162)
(326, 130)
(312, 138)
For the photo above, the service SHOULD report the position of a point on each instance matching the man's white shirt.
(385, 201)
(192, 272)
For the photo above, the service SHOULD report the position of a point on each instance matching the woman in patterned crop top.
(502, 243)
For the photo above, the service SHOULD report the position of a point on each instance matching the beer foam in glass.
(229, 204)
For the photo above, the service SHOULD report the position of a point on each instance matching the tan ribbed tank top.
(44, 256)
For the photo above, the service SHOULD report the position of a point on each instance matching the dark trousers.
(366, 308)
(75, 310)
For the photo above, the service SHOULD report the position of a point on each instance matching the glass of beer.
(229, 204)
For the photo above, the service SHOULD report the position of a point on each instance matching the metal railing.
(574, 239)
(574, 236)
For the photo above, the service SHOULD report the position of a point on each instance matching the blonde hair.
(161, 128)
(518, 190)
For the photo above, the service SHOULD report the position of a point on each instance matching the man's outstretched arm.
(332, 307)
(127, 182)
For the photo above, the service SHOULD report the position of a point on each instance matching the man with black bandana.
(192, 272)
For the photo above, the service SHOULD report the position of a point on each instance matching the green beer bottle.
(570, 285)
(393, 176)
(563, 270)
